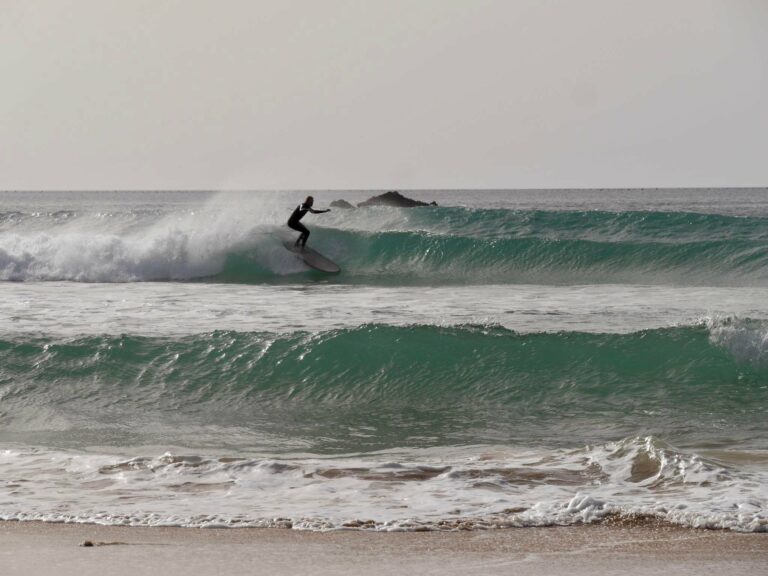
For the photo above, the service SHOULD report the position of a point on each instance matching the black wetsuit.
(293, 222)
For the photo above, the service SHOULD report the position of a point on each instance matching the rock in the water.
(394, 199)
(341, 204)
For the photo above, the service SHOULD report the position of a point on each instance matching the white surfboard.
(312, 258)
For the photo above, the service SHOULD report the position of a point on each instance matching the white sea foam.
(181, 245)
(443, 489)
(745, 339)
(71, 309)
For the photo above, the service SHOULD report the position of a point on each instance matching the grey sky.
(266, 94)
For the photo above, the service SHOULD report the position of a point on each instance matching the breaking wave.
(389, 246)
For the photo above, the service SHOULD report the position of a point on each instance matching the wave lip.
(636, 479)
(596, 225)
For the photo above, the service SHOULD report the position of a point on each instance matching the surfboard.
(312, 258)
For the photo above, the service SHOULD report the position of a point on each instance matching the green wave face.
(403, 257)
(458, 245)
(468, 383)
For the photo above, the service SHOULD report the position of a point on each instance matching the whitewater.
(506, 358)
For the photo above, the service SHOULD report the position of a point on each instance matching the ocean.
(505, 359)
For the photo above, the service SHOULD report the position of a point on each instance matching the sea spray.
(129, 246)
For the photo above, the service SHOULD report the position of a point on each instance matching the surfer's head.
(309, 201)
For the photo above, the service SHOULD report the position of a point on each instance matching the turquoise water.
(507, 358)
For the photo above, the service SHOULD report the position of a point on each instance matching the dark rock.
(91, 543)
(394, 199)
(341, 204)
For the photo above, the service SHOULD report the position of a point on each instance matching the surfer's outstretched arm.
(319, 211)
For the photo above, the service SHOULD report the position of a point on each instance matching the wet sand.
(34, 548)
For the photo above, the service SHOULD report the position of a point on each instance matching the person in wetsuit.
(298, 214)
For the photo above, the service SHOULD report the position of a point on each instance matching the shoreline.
(39, 548)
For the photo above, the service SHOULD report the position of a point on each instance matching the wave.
(723, 365)
(390, 246)
(403, 257)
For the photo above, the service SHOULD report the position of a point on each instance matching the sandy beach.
(33, 548)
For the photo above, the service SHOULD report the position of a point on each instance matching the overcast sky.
(266, 94)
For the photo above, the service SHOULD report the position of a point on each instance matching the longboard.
(312, 258)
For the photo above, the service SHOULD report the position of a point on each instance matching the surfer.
(298, 214)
